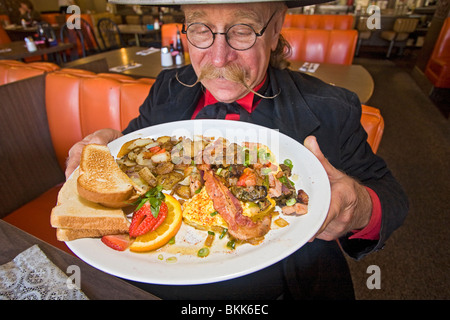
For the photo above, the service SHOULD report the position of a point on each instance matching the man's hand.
(103, 136)
(350, 206)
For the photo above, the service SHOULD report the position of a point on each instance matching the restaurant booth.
(47, 107)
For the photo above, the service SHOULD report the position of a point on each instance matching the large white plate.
(221, 264)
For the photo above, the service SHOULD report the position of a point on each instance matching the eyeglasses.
(239, 36)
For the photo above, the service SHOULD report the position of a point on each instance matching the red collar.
(245, 102)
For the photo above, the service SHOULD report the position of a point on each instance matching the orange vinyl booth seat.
(373, 122)
(321, 46)
(13, 70)
(319, 21)
(92, 102)
(74, 103)
(438, 67)
(52, 113)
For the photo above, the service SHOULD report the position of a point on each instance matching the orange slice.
(169, 228)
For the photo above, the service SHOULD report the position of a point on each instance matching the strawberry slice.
(162, 214)
(119, 242)
(142, 221)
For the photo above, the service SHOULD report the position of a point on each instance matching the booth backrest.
(12, 70)
(442, 47)
(373, 123)
(321, 46)
(91, 102)
(438, 66)
(319, 21)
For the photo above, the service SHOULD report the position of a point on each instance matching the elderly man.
(239, 72)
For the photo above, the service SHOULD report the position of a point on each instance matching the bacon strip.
(239, 226)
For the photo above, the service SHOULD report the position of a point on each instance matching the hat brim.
(290, 4)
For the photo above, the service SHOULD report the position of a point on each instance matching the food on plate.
(200, 213)
(75, 217)
(224, 185)
(130, 203)
(230, 208)
(102, 181)
(158, 237)
(119, 242)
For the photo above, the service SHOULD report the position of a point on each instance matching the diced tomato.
(247, 179)
(154, 149)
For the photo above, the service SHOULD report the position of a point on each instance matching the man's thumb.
(311, 144)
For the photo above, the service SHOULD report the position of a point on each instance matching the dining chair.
(90, 40)
(133, 19)
(400, 32)
(74, 36)
(110, 34)
(364, 33)
(83, 38)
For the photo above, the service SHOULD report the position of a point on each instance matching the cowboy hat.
(290, 4)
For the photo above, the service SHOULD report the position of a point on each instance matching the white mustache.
(232, 72)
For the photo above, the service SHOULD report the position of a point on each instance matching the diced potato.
(139, 143)
(148, 176)
(163, 139)
(161, 157)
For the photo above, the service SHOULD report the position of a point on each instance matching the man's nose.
(221, 53)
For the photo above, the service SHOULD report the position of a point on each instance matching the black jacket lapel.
(291, 113)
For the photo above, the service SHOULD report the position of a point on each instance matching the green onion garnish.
(203, 252)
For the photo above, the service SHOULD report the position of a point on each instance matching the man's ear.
(277, 26)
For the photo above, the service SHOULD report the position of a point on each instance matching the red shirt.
(245, 102)
(370, 232)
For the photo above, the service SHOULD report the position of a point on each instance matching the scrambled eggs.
(199, 212)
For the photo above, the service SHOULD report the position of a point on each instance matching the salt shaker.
(31, 46)
(166, 57)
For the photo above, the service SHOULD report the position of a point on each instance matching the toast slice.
(75, 217)
(102, 181)
(63, 234)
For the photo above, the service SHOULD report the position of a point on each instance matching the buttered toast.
(101, 180)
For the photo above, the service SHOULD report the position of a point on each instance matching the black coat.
(305, 106)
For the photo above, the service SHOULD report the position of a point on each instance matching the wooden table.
(96, 284)
(352, 77)
(17, 50)
(138, 30)
(102, 62)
